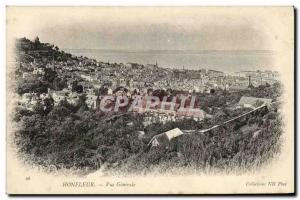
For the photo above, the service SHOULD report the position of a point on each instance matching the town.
(74, 77)
(115, 112)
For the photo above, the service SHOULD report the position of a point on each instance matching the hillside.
(74, 136)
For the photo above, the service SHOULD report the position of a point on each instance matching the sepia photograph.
(150, 100)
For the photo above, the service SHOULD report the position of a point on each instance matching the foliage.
(76, 87)
(73, 136)
(67, 138)
(31, 85)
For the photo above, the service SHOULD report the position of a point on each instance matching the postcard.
(150, 100)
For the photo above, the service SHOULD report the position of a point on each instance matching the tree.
(37, 40)
(76, 87)
(101, 91)
(35, 86)
(48, 105)
(59, 84)
(36, 45)
(160, 94)
(59, 113)
(120, 88)
(49, 75)
(82, 106)
(39, 108)
(66, 104)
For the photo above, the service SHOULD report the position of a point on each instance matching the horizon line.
(110, 49)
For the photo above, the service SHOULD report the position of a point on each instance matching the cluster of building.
(133, 79)
(164, 111)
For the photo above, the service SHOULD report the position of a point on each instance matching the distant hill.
(41, 51)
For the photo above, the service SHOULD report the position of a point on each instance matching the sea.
(226, 61)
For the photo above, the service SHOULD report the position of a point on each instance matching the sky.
(134, 28)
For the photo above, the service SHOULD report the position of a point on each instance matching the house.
(58, 96)
(38, 71)
(152, 66)
(91, 101)
(70, 83)
(215, 73)
(121, 92)
(134, 65)
(146, 105)
(252, 102)
(73, 98)
(43, 96)
(141, 134)
(29, 100)
(193, 113)
(109, 91)
(25, 74)
(237, 87)
(164, 139)
(25, 98)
